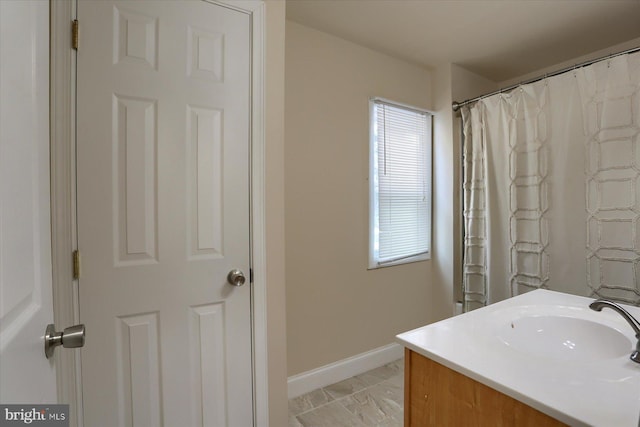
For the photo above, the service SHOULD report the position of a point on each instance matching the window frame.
(374, 261)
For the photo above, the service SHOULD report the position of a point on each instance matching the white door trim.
(63, 222)
(65, 292)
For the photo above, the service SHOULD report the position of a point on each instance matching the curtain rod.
(457, 105)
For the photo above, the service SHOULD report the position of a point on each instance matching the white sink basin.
(563, 338)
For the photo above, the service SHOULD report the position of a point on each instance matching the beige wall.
(274, 207)
(466, 85)
(444, 216)
(336, 308)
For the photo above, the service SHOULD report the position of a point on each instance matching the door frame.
(63, 218)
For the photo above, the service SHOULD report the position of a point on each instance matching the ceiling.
(498, 39)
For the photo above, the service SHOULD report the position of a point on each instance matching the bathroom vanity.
(539, 359)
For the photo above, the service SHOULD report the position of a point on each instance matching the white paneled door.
(163, 213)
(26, 306)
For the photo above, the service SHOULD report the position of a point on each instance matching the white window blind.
(400, 184)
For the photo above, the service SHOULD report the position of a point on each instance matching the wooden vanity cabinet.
(435, 395)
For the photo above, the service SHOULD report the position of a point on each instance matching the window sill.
(373, 265)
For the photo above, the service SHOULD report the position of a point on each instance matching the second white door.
(163, 213)
(26, 298)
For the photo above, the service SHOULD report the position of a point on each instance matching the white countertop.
(577, 391)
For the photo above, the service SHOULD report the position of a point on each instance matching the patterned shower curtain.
(552, 187)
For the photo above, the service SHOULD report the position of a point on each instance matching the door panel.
(26, 302)
(163, 213)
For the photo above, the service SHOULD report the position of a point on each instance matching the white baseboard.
(342, 369)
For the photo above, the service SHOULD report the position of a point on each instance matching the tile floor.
(372, 399)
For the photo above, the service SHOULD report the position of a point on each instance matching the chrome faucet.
(599, 304)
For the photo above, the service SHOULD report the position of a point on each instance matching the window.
(400, 184)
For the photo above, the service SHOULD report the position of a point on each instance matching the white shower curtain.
(552, 187)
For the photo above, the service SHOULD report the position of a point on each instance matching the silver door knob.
(236, 278)
(71, 337)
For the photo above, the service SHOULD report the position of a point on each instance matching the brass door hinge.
(76, 264)
(74, 34)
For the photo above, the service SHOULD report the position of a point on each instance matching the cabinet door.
(437, 396)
